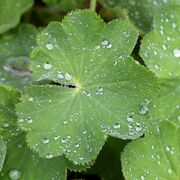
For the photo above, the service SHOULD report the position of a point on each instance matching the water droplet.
(176, 53)
(56, 137)
(49, 46)
(87, 93)
(45, 140)
(29, 120)
(49, 156)
(6, 125)
(63, 140)
(81, 158)
(129, 118)
(168, 148)
(142, 178)
(47, 66)
(89, 149)
(60, 75)
(68, 76)
(143, 109)
(77, 145)
(106, 44)
(170, 171)
(14, 174)
(21, 120)
(30, 99)
(99, 91)
(117, 125)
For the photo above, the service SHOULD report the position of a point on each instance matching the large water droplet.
(60, 75)
(143, 109)
(14, 174)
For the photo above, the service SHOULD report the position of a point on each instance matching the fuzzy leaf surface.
(15, 48)
(11, 11)
(156, 156)
(94, 88)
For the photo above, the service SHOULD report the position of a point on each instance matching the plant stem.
(93, 5)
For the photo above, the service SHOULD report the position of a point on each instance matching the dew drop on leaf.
(14, 174)
(47, 66)
(117, 125)
(30, 99)
(106, 44)
(45, 140)
(68, 76)
(143, 109)
(176, 53)
(49, 46)
(99, 91)
(6, 125)
(60, 75)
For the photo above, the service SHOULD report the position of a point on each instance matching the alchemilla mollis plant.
(90, 89)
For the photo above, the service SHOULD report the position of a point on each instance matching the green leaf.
(94, 90)
(156, 156)
(14, 56)
(2, 152)
(166, 106)
(160, 49)
(107, 164)
(141, 12)
(65, 5)
(11, 11)
(20, 161)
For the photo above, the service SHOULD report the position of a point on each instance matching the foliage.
(91, 95)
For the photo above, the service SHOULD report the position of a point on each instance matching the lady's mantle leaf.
(20, 161)
(2, 152)
(141, 11)
(14, 55)
(161, 52)
(94, 89)
(10, 12)
(156, 156)
(160, 49)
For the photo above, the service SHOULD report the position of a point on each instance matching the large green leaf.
(14, 55)
(140, 11)
(160, 50)
(10, 12)
(2, 152)
(156, 156)
(20, 161)
(94, 90)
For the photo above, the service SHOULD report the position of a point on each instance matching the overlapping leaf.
(2, 152)
(20, 161)
(156, 156)
(14, 55)
(94, 90)
(10, 12)
(161, 52)
(141, 11)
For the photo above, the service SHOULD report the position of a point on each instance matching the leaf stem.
(93, 5)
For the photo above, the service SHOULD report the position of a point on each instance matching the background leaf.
(156, 156)
(160, 50)
(94, 90)
(10, 13)
(14, 56)
(141, 12)
(107, 164)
